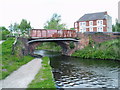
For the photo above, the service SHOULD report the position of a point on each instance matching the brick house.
(94, 22)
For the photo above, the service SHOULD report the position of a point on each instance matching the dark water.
(71, 72)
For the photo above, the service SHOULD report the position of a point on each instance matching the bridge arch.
(65, 46)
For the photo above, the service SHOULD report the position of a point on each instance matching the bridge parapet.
(43, 33)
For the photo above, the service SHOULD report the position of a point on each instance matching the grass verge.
(9, 62)
(106, 50)
(44, 78)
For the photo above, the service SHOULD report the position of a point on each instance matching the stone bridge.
(26, 46)
(37, 36)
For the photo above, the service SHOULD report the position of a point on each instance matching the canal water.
(72, 72)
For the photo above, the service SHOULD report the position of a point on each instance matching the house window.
(99, 22)
(91, 23)
(81, 30)
(84, 29)
(100, 29)
(91, 29)
(82, 23)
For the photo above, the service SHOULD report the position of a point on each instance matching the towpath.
(23, 76)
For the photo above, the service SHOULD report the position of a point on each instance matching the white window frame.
(81, 30)
(84, 29)
(84, 23)
(80, 24)
(99, 29)
(91, 29)
(90, 23)
(99, 22)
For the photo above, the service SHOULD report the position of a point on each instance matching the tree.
(11, 28)
(16, 27)
(116, 27)
(3, 29)
(24, 26)
(54, 23)
(4, 32)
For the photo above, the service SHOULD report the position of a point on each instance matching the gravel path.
(23, 76)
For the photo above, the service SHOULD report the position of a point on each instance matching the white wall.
(109, 23)
(119, 11)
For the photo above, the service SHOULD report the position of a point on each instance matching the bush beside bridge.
(105, 50)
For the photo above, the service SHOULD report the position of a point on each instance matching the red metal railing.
(52, 33)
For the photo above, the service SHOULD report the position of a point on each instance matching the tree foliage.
(54, 23)
(3, 32)
(24, 26)
(116, 27)
(14, 27)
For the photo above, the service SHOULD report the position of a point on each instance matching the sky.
(37, 12)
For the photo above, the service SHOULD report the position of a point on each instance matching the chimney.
(119, 11)
(105, 12)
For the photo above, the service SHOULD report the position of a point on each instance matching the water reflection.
(84, 73)
(47, 53)
(71, 72)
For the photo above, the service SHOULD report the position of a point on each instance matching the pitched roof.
(93, 16)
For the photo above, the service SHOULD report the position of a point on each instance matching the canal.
(72, 72)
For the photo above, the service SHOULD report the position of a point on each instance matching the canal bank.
(106, 50)
(44, 78)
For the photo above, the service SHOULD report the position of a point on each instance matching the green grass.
(106, 50)
(9, 62)
(44, 78)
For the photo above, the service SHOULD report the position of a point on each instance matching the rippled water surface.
(70, 72)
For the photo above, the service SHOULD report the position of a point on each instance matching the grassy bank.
(44, 78)
(9, 62)
(106, 50)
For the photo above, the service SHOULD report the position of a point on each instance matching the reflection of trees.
(81, 68)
